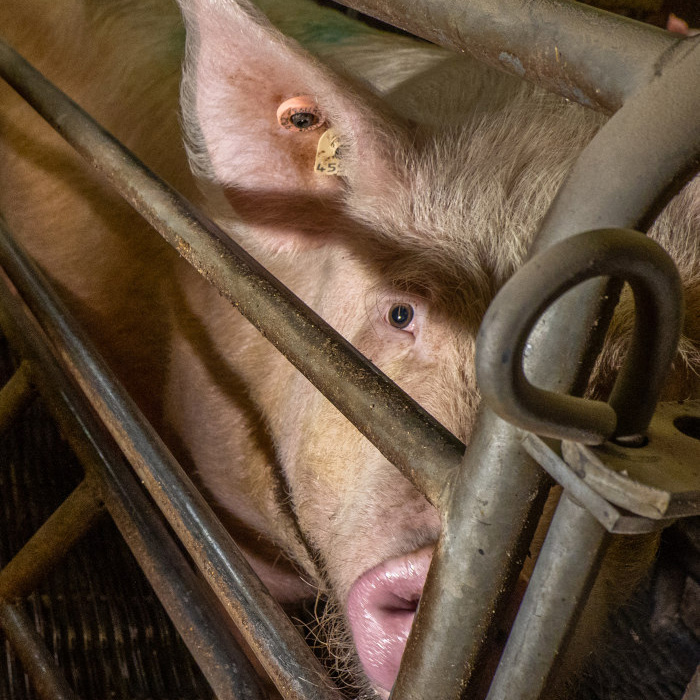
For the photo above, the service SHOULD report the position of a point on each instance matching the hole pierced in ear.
(300, 114)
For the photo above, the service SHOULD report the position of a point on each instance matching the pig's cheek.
(354, 507)
(315, 449)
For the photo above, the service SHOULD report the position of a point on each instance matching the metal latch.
(617, 253)
(632, 490)
(660, 480)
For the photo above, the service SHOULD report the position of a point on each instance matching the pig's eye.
(400, 315)
(299, 114)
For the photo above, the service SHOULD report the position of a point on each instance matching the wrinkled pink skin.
(381, 608)
(275, 458)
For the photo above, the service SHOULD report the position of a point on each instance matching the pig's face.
(372, 533)
(401, 254)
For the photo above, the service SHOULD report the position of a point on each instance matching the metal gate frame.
(645, 70)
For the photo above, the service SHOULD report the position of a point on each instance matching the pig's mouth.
(381, 608)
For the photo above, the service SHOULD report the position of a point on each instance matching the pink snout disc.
(381, 608)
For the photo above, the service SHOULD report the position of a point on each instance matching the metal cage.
(614, 65)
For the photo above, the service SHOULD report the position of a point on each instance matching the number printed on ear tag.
(328, 156)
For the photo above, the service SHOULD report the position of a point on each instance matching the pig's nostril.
(381, 608)
(399, 604)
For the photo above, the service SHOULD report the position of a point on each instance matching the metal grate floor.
(649, 655)
(96, 611)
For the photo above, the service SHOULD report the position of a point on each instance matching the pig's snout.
(381, 608)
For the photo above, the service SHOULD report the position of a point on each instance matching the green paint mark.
(315, 26)
(333, 32)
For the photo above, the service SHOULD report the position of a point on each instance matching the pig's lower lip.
(381, 608)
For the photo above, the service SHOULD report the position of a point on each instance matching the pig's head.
(442, 185)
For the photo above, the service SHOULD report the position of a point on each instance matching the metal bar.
(566, 570)
(587, 55)
(36, 660)
(484, 540)
(194, 613)
(656, 132)
(269, 632)
(15, 396)
(403, 431)
(181, 591)
(51, 542)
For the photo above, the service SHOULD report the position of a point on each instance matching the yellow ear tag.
(328, 161)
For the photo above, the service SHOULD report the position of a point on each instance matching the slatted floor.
(96, 611)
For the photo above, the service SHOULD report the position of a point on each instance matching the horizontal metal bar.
(587, 55)
(51, 542)
(269, 632)
(32, 652)
(182, 591)
(403, 431)
(15, 396)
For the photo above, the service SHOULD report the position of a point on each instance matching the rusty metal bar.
(36, 660)
(15, 396)
(585, 54)
(181, 591)
(403, 431)
(66, 526)
(269, 632)
(189, 605)
(656, 132)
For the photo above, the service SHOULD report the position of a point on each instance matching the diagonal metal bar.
(181, 590)
(15, 396)
(269, 632)
(35, 657)
(51, 542)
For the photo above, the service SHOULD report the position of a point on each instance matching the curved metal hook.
(658, 296)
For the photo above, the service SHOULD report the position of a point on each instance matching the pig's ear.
(244, 84)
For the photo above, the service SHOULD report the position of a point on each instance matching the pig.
(399, 239)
